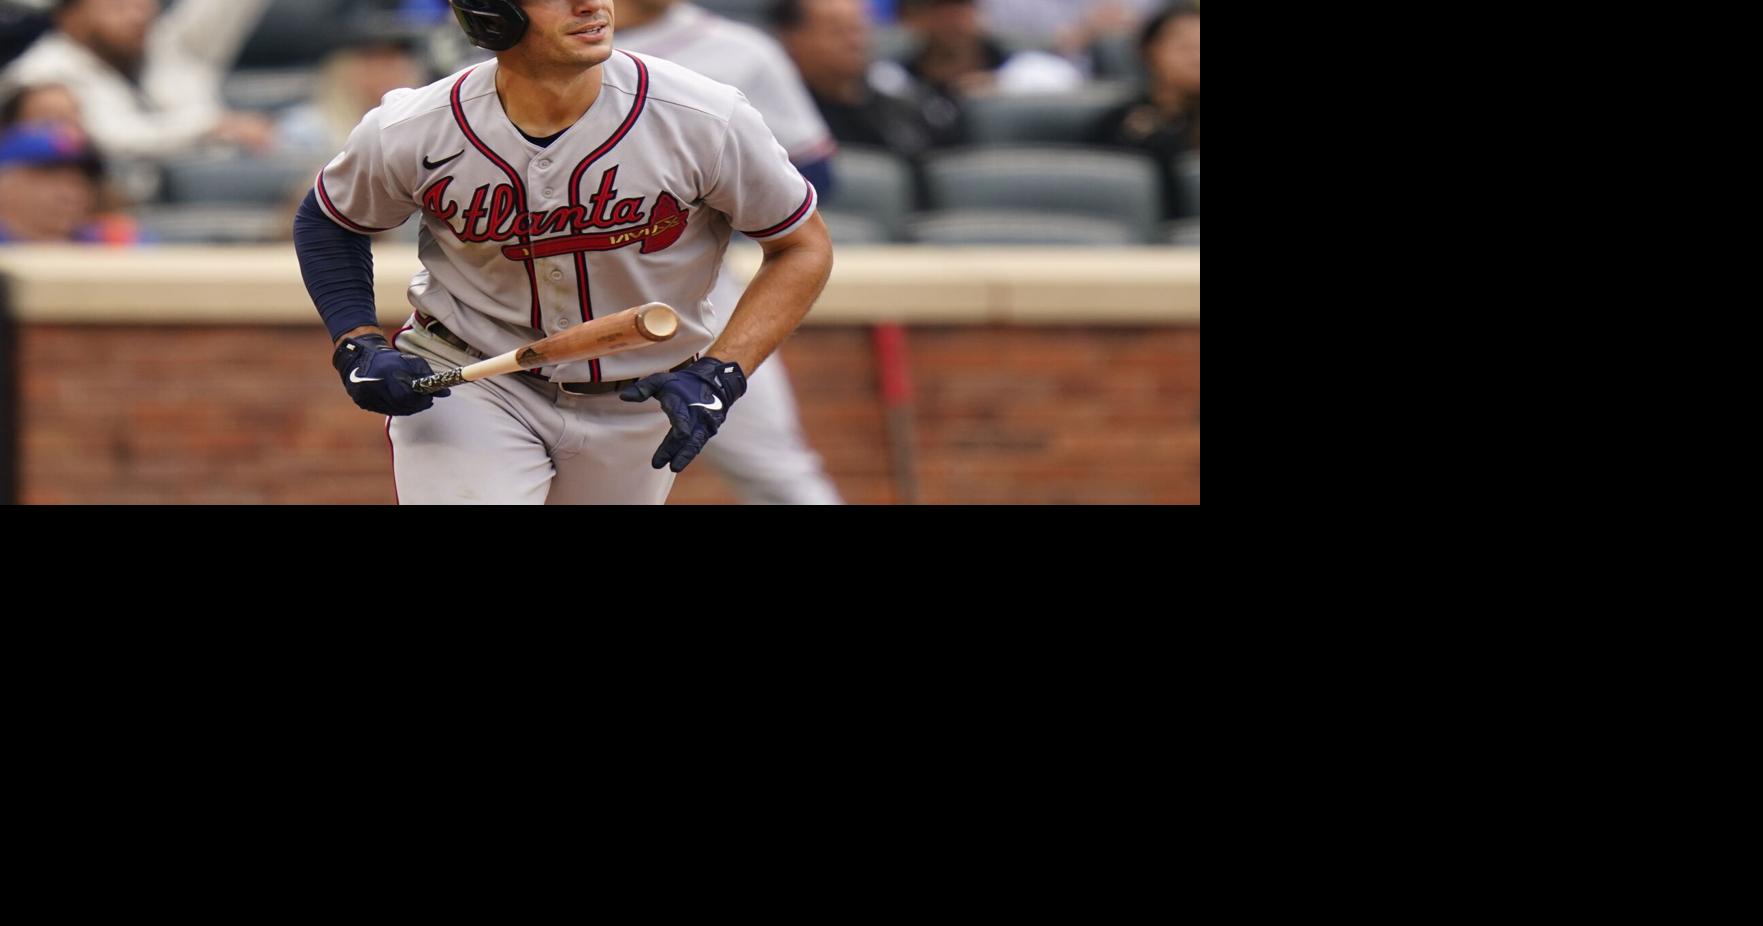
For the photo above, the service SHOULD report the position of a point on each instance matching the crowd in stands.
(957, 121)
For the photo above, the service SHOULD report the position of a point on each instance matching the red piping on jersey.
(575, 191)
(338, 213)
(786, 223)
(532, 274)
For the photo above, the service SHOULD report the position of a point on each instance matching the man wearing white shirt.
(149, 85)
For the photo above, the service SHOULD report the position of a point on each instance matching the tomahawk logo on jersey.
(634, 203)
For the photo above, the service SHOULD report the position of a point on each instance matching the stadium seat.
(1056, 118)
(234, 180)
(268, 89)
(754, 12)
(875, 184)
(849, 228)
(208, 224)
(1116, 57)
(295, 32)
(1187, 175)
(1020, 227)
(1013, 41)
(1083, 181)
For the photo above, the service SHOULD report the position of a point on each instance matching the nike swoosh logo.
(715, 408)
(355, 377)
(437, 165)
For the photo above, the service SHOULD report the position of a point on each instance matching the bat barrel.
(657, 321)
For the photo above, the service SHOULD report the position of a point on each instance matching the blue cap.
(46, 146)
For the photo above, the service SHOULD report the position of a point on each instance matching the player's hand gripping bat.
(631, 328)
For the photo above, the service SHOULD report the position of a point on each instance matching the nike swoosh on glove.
(696, 399)
(378, 377)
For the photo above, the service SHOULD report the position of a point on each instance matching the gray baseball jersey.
(634, 203)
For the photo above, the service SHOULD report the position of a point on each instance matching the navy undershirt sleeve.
(337, 265)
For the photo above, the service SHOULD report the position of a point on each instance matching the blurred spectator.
(50, 104)
(956, 58)
(1165, 121)
(54, 106)
(49, 190)
(149, 85)
(375, 57)
(830, 41)
(1068, 27)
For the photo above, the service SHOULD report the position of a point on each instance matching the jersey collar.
(611, 76)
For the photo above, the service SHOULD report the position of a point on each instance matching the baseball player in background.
(562, 181)
(762, 451)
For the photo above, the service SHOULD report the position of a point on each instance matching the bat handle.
(429, 385)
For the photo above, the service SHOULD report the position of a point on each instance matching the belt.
(440, 332)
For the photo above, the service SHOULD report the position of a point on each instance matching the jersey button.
(556, 274)
(544, 164)
(562, 323)
(550, 193)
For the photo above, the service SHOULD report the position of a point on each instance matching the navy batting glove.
(378, 377)
(696, 399)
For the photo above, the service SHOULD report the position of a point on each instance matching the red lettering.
(501, 210)
(497, 215)
(606, 210)
(627, 211)
(435, 200)
(473, 214)
(602, 200)
(571, 216)
(529, 224)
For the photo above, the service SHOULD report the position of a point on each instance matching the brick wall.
(175, 414)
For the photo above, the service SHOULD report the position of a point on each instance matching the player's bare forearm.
(790, 278)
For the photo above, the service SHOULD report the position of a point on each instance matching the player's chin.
(588, 53)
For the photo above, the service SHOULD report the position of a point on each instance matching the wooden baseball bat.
(634, 327)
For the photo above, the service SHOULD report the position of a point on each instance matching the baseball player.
(762, 451)
(562, 181)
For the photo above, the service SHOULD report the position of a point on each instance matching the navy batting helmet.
(493, 24)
